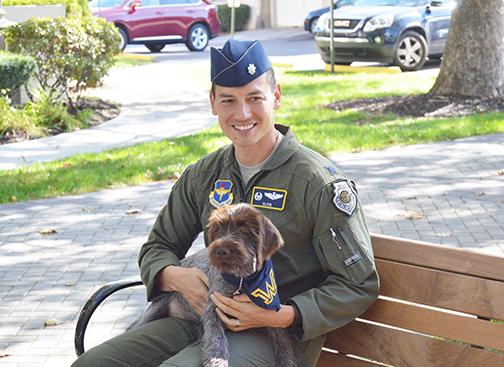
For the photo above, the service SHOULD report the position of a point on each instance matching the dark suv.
(156, 23)
(400, 32)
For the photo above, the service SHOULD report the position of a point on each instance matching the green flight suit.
(326, 268)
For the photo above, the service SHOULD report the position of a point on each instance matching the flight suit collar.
(284, 151)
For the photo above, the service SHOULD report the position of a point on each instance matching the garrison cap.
(238, 63)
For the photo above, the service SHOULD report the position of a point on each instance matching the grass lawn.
(304, 96)
(128, 60)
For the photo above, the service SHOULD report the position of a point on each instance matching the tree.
(473, 62)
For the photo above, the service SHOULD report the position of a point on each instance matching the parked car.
(400, 32)
(156, 23)
(310, 22)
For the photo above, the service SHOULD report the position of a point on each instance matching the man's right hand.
(191, 283)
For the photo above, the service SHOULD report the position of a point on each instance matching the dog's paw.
(217, 362)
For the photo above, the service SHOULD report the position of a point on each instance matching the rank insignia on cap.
(251, 69)
(344, 198)
(268, 198)
(221, 195)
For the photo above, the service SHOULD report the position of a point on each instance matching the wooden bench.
(437, 307)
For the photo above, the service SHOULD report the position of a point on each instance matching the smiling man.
(325, 272)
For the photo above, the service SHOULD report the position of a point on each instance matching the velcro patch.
(352, 260)
(268, 198)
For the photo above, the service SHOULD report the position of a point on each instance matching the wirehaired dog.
(242, 241)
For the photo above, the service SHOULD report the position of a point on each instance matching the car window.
(149, 2)
(389, 2)
(104, 3)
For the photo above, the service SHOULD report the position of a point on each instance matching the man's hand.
(249, 314)
(191, 283)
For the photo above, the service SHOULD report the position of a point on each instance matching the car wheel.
(197, 38)
(411, 51)
(124, 39)
(313, 25)
(155, 47)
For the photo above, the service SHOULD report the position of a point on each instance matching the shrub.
(74, 8)
(15, 122)
(71, 54)
(15, 71)
(242, 15)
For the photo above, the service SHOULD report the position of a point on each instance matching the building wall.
(25, 12)
(255, 8)
(291, 13)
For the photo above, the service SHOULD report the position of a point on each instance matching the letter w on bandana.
(260, 287)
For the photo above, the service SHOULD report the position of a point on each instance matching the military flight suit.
(326, 268)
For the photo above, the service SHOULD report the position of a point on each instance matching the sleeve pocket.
(341, 256)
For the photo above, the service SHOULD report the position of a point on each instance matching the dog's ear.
(271, 240)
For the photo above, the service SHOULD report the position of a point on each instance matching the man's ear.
(277, 93)
(212, 103)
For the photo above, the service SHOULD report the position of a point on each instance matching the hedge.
(242, 15)
(15, 71)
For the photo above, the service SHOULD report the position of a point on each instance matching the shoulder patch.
(344, 198)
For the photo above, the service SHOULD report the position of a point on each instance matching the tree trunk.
(473, 61)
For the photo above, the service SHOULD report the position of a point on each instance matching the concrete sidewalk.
(455, 191)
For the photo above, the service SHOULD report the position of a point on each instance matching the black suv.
(400, 32)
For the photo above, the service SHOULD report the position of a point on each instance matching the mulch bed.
(102, 111)
(423, 105)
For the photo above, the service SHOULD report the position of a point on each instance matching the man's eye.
(227, 101)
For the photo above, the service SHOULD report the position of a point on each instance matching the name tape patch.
(352, 260)
(268, 198)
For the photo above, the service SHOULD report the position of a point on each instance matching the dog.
(242, 241)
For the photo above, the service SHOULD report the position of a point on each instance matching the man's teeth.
(243, 127)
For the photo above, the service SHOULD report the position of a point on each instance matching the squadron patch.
(268, 198)
(222, 194)
(344, 198)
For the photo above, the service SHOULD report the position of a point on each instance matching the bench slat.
(441, 324)
(442, 289)
(400, 348)
(461, 261)
(328, 359)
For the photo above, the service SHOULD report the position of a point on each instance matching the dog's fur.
(241, 239)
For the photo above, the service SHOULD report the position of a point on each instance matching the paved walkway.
(451, 192)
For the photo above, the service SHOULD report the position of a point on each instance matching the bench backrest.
(438, 306)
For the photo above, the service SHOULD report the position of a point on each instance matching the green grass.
(127, 60)
(303, 108)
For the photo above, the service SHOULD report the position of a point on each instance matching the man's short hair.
(270, 76)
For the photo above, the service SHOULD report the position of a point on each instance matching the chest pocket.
(341, 255)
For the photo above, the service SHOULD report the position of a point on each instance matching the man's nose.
(244, 111)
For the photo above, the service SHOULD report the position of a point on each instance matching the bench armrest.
(92, 303)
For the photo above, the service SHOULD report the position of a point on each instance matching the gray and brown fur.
(237, 234)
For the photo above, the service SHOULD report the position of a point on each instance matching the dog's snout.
(222, 251)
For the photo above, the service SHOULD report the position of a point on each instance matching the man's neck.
(252, 155)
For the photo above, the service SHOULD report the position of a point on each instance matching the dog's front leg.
(215, 351)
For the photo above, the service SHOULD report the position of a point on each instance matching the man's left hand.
(240, 313)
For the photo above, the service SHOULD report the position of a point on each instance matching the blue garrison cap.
(238, 63)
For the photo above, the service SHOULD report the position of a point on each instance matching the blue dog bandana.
(260, 287)
(237, 63)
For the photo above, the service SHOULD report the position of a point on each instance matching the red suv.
(156, 23)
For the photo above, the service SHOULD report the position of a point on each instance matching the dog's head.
(241, 239)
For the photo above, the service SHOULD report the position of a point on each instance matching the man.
(325, 272)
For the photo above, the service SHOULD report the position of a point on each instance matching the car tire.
(313, 25)
(124, 38)
(197, 37)
(411, 51)
(155, 47)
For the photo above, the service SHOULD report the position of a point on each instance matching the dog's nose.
(222, 251)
